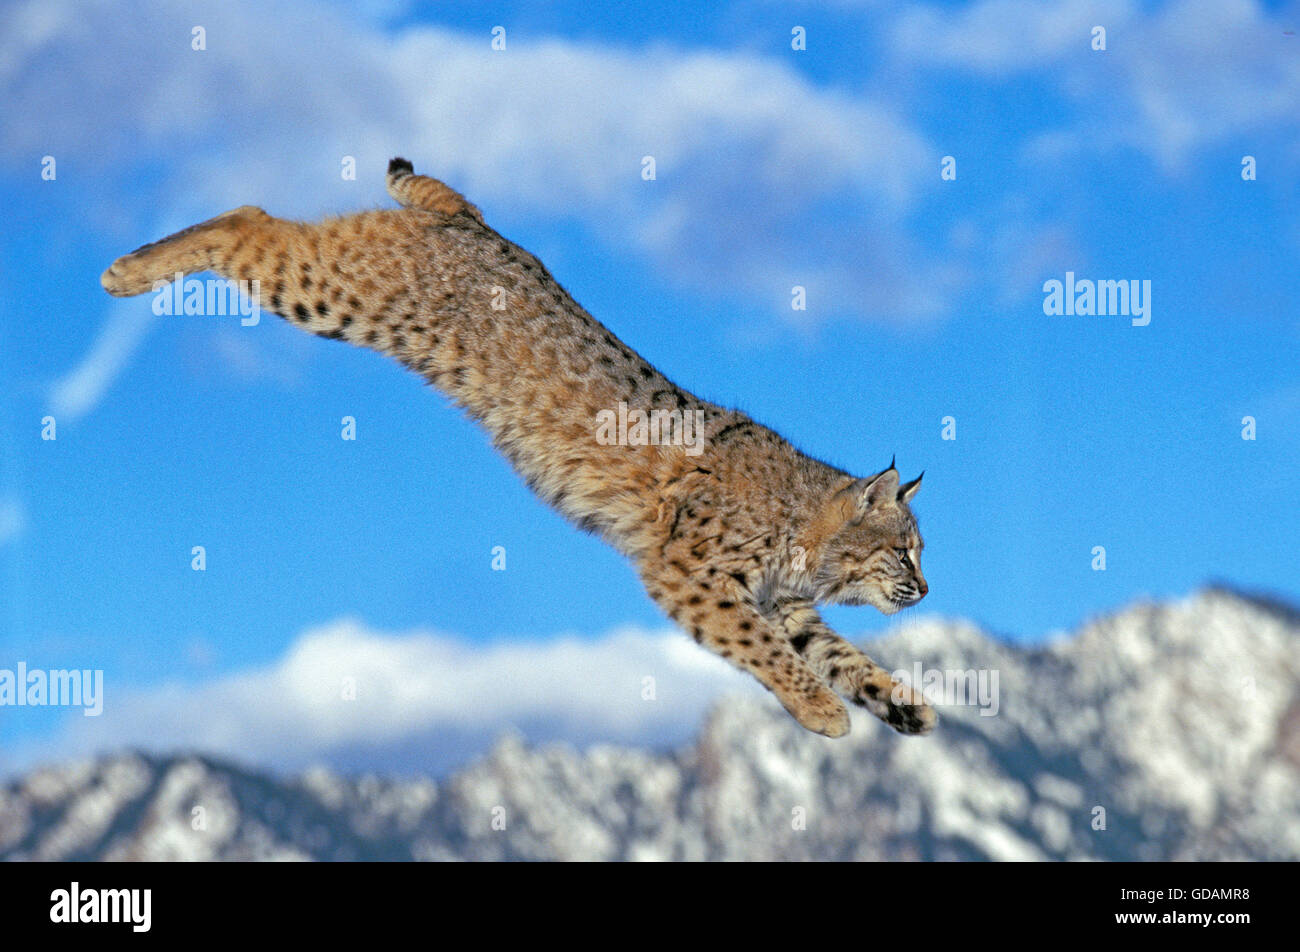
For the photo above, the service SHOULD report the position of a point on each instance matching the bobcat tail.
(421, 191)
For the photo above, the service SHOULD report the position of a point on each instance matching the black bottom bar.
(333, 902)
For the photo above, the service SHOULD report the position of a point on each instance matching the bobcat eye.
(902, 556)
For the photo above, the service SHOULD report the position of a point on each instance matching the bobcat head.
(870, 553)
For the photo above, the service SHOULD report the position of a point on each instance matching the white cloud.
(13, 519)
(998, 37)
(80, 390)
(423, 700)
(1217, 70)
(1172, 81)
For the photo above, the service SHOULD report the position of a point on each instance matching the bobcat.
(736, 538)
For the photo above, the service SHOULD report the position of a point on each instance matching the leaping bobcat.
(736, 538)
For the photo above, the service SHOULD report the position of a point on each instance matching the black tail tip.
(400, 166)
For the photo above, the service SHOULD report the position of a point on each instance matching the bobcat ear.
(871, 492)
(908, 490)
(849, 505)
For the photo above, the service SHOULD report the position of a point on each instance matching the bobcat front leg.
(852, 673)
(719, 615)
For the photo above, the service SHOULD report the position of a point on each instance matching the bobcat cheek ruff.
(735, 533)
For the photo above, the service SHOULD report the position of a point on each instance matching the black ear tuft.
(908, 490)
(400, 166)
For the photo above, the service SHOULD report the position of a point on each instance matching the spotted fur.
(736, 542)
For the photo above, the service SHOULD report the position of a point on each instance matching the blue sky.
(775, 168)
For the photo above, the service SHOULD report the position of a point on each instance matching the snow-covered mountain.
(1177, 725)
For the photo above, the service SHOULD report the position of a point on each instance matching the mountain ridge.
(1176, 723)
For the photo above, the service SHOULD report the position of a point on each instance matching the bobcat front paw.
(911, 718)
(906, 710)
(901, 707)
(821, 712)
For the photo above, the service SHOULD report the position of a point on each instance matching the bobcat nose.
(922, 587)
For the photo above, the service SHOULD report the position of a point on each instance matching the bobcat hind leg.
(200, 247)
